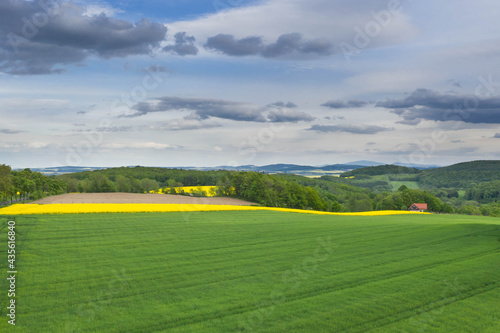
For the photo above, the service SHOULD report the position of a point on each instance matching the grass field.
(410, 184)
(255, 271)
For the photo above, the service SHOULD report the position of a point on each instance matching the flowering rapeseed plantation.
(209, 191)
(29, 209)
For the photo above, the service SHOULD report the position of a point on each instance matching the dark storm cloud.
(424, 104)
(338, 104)
(369, 129)
(202, 109)
(285, 45)
(184, 45)
(38, 36)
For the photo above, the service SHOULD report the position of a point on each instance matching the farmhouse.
(418, 207)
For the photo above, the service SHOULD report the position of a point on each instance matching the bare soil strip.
(138, 198)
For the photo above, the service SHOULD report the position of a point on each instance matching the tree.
(6, 184)
(123, 184)
(149, 185)
(99, 183)
(359, 203)
(71, 185)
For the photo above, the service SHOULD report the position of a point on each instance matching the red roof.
(421, 206)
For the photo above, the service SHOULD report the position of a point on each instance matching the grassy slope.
(260, 271)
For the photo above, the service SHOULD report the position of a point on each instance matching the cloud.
(369, 129)
(114, 129)
(338, 104)
(97, 9)
(277, 28)
(425, 104)
(411, 148)
(410, 122)
(229, 45)
(156, 69)
(203, 109)
(19, 104)
(281, 112)
(9, 131)
(184, 45)
(16, 146)
(64, 34)
(280, 104)
(287, 115)
(291, 44)
(186, 125)
(139, 145)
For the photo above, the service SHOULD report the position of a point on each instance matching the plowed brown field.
(137, 198)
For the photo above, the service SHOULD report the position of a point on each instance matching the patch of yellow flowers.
(209, 190)
(30, 209)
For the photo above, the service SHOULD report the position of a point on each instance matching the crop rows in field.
(258, 271)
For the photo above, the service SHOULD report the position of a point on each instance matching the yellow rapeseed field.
(209, 190)
(29, 209)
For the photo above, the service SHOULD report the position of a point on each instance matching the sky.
(236, 82)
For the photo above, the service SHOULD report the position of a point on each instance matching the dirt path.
(137, 198)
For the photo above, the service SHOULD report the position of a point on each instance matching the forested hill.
(381, 170)
(462, 175)
(482, 165)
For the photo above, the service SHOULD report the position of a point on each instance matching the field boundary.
(36, 209)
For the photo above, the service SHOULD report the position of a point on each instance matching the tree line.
(327, 193)
(26, 184)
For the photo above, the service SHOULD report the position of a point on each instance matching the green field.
(254, 271)
(410, 184)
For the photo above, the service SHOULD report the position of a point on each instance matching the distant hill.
(419, 166)
(381, 170)
(461, 175)
(64, 169)
(365, 163)
(305, 170)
